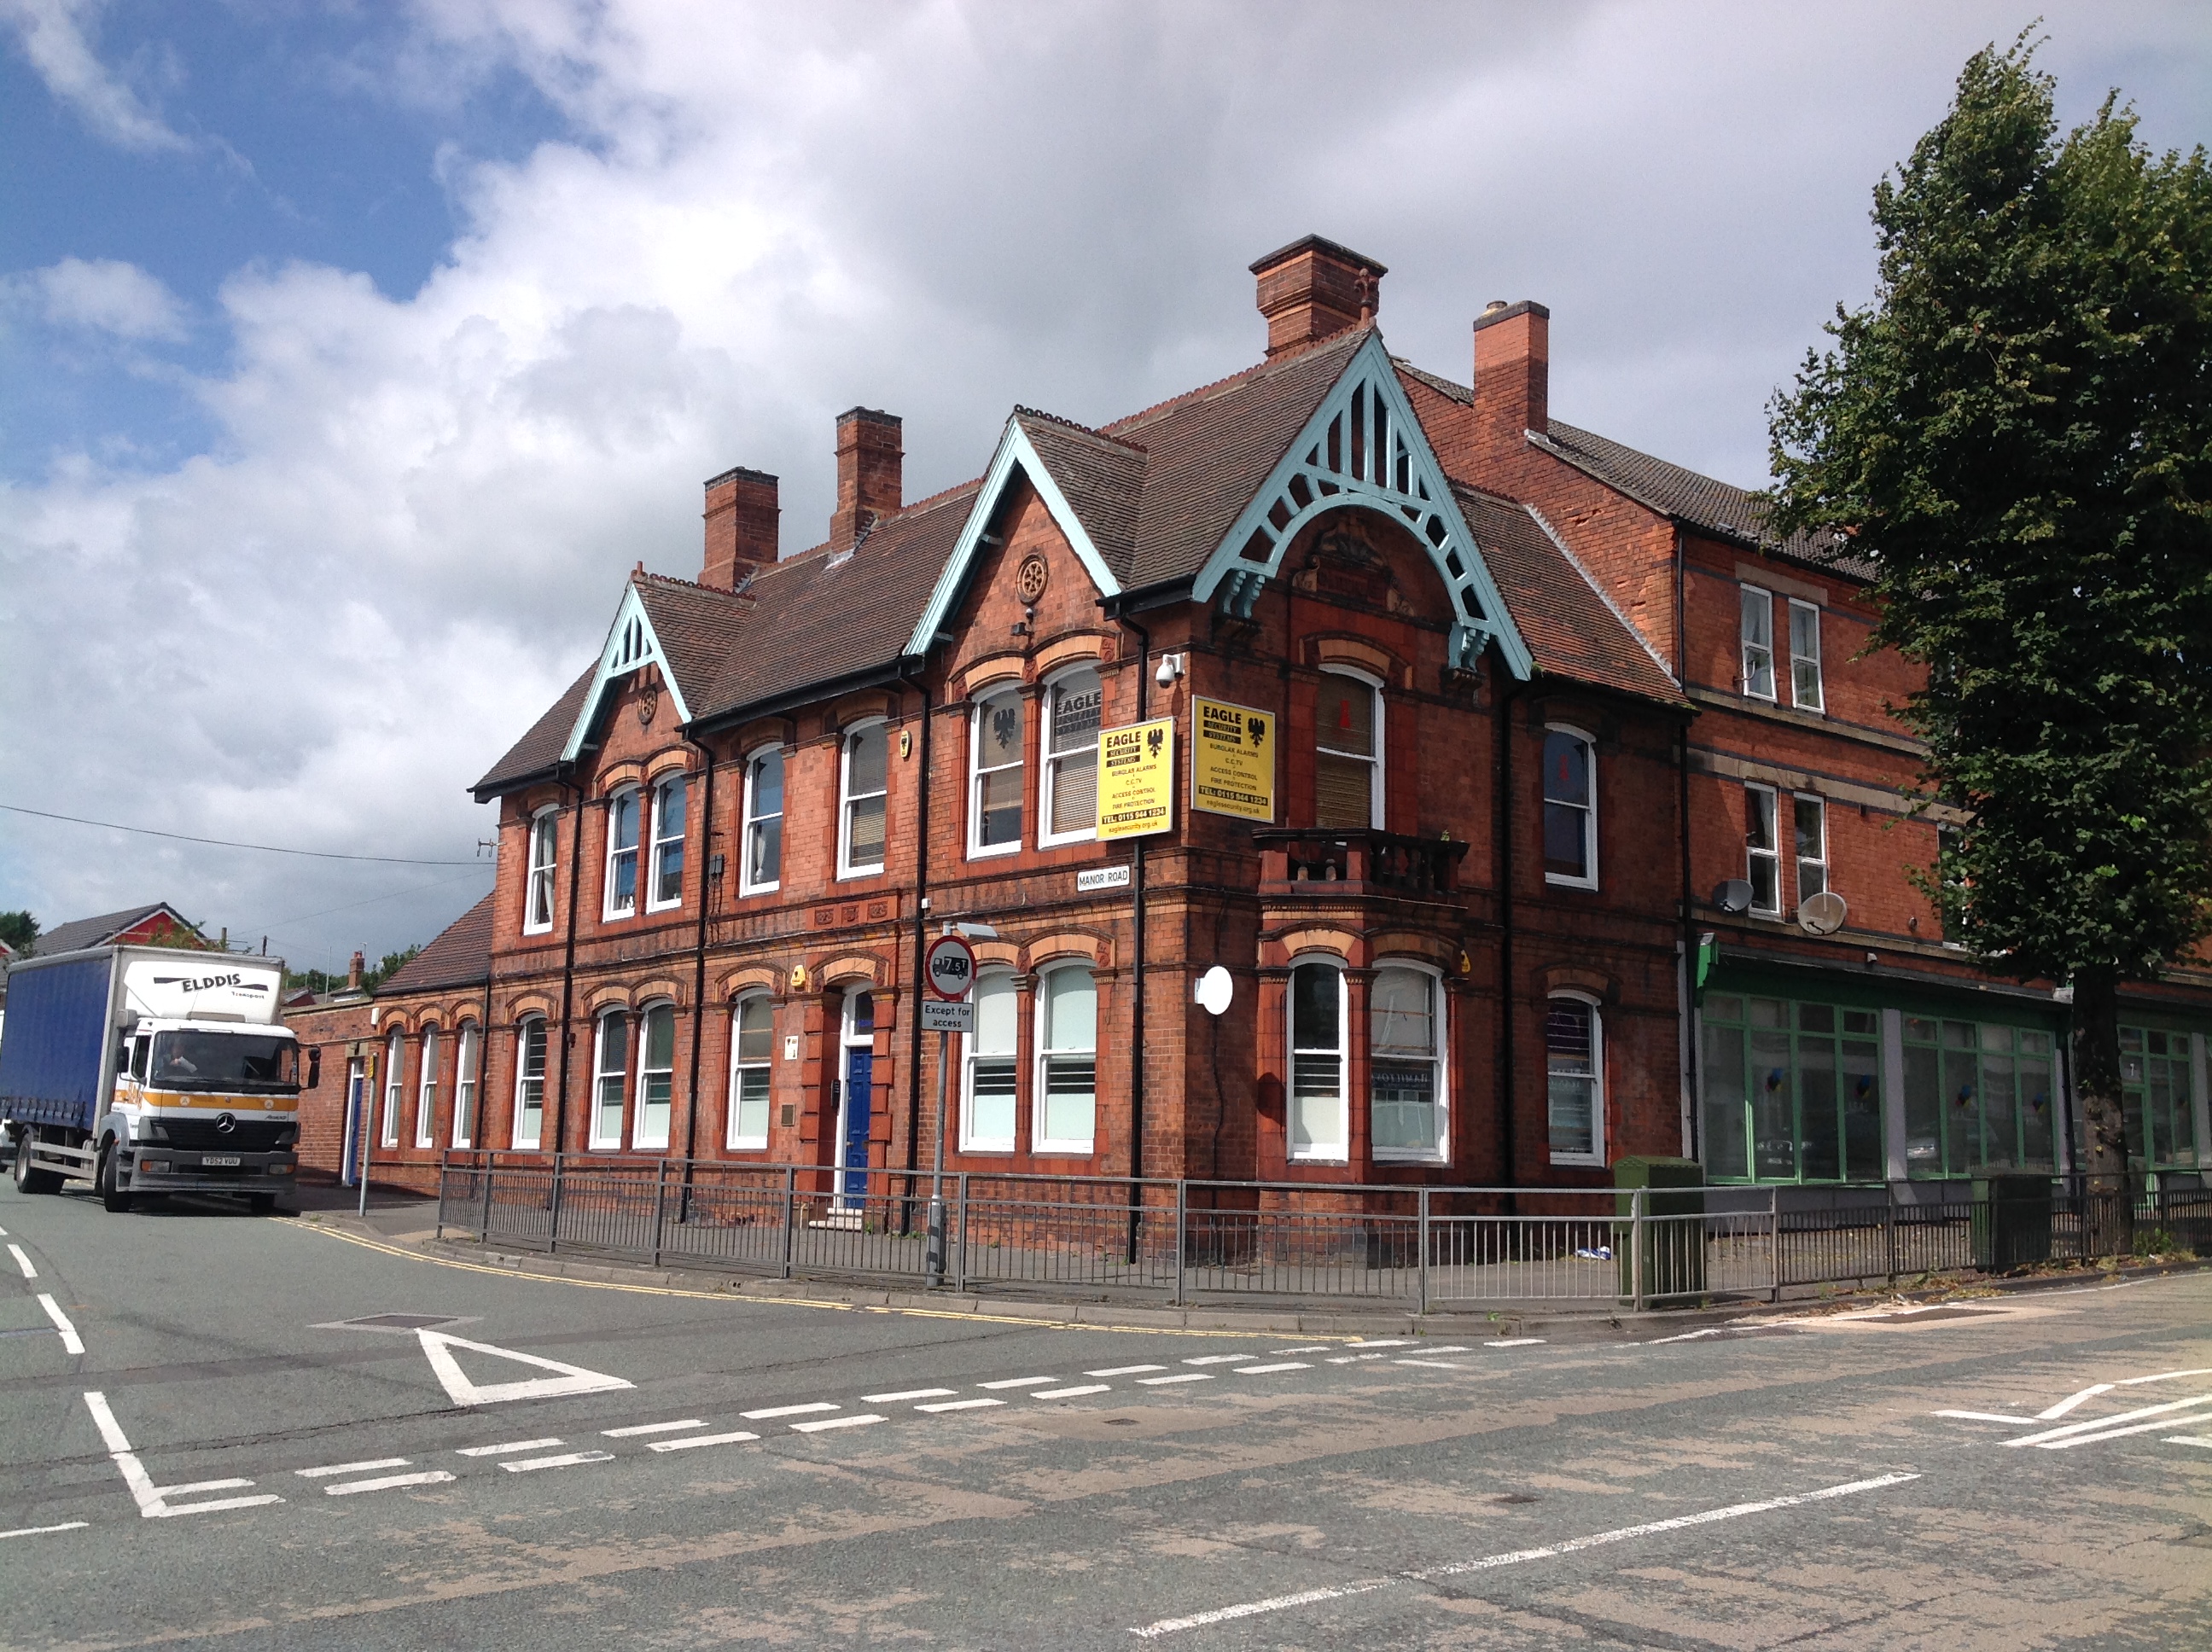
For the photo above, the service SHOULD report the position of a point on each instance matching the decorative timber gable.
(630, 645)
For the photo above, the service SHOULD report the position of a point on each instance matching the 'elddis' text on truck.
(145, 1069)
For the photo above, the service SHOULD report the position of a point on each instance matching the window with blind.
(1318, 1125)
(466, 1066)
(861, 821)
(995, 804)
(530, 1083)
(1758, 639)
(1805, 656)
(763, 853)
(1068, 1061)
(1405, 1066)
(752, 1045)
(537, 897)
(1070, 805)
(426, 1091)
(1574, 1081)
(394, 1051)
(622, 854)
(610, 1066)
(1348, 758)
(988, 1087)
(665, 888)
(1762, 850)
(656, 1077)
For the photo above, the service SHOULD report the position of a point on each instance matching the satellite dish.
(1214, 990)
(1823, 914)
(1733, 896)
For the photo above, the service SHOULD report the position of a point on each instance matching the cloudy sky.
(350, 354)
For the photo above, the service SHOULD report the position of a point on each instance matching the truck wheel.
(112, 1199)
(261, 1203)
(28, 1180)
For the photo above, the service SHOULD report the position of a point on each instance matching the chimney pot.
(742, 529)
(871, 473)
(1313, 288)
(1512, 374)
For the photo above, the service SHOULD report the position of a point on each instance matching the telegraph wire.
(227, 843)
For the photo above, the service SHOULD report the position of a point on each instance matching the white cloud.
(108, 295)
(52, 34)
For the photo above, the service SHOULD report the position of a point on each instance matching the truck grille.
(245, 1135)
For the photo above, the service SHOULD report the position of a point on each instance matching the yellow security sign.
(1232, 760)
(1136, 779)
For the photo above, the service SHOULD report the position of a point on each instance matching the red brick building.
(1583, 831)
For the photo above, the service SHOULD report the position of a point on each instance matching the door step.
(848, 1221)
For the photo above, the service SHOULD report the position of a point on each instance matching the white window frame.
(1800, 801)
(1755, 658)
(524, 1078)
(847, 738)
(1439, 1151)
(601, 1139)
(1331, 1154)
(970, 1142)
(426, 1092)
(395, 1058)
(662, 842)
(982, 699)
(740, 1066)
(754, 820)
(1049, 762)
(1818, 699)
(641, 1034)
(1379, 707)
(542, 861)
(607, 907)
(1561, 880)
(468, 1058)
(1770, 808)
(1041, 1144)
(1596, 1155)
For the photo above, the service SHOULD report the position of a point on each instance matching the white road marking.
(1018, 1382)
(1514, 1342)
(861, 1421)
(1310, 1348)
(350, 1468)
(1217, 1359)
(393, 1482)
(649, 1428)
(1187, 1376)
(153, 1500)
(3, 1233)
(1985, 1417)
(437, 1348)
(512, 1445)
(960, 1405)
(1125, 1370)
(2109, 1434)
(568, 1460)
(1432, 1364)
(908, 1393)
(23, 1261)
(2163, 1376)
(1070, 1393)
(1378, 1342)
(2056, 1411)
(699, 1440)
(787, 1410)
(34, 1531)
(71, 1343)
(2105, 1427)
(2176, 1439)
(1517, 1557)
(1265, 1370)
(1354, 1359)
(1450, 1348)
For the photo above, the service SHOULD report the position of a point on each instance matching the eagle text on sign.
(1136, 779)
(1232, 760)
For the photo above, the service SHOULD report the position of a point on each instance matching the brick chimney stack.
(1314, 287)
(1512, 375)
(741, 527)
(871, 473)
(354, 967)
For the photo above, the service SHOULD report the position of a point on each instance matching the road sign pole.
(947, 1003)
(937, 1172)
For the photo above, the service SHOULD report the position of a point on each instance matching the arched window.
(1569, 809)
(530, 1082)
(1069, 807)
(665, 888)
(656, 1078)
(466, 1059)
(994, 807)
(987, 1087)
(1407, 1116)
(752, 1045)
(538, 895)
(1318, 1125)
(622, 854)
(1574, 1053)
(1348, 764)
(1068, 1061)
(610, 1068)
(860, 818)
(395, 1051)
(426, 1091)
(763, 853)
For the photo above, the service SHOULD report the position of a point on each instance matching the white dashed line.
(1070, 1393)
(35, 1531)
(1393, 1342)
(1450, 1348)
(1125, 1370)
(1514, 1342)
(1310, 1348)
(1985, 1417)
(350, 1468)
(909, 1393)
(1266, 1370)
(2172, 1439)
(1354, 1359)
(568, 1460)
(861, 1421)
(2064, 1439)
(1431, 1364)
(699, 1440)
(502, 1450)
(71, 1343)
(1186, 1376)
(1217, 1359)
(393, 1482)
(787, 1410)
(2053, 1413)
(648, 1427)
(1018, 1382)
(23, 1261)
(960, 1405)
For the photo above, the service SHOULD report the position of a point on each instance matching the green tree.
(19, 930)
(2018, 431)
(392, 964)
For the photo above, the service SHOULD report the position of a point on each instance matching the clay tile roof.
(1102, 477)
(535, 754)
(96, 932)
(1570, 629)
(697, 625)
(460, 956)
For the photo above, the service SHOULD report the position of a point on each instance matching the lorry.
(150, 1070)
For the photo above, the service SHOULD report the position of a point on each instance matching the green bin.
(2011, 1219)
(1674, 1243)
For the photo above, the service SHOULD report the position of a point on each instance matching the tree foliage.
(2018, 433)
(20, 931)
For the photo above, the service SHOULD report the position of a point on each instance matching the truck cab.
(203, 1105)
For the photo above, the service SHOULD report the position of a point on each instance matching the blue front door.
(860, 1090)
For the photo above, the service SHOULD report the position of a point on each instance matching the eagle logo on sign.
(1154, 739)
(1258, 726)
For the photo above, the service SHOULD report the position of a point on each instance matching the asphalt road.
(234, 1457)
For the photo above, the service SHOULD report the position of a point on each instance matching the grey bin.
(2011, 1218)
(1673, 1246)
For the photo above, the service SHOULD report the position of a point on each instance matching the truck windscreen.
(245, 1063)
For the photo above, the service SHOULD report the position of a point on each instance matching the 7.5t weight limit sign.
(949, 968)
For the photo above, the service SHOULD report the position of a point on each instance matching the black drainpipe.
(1682, 815)
(1507, 995)
(1137, 961)
(699, 969)
(568, 969)
(921, 935)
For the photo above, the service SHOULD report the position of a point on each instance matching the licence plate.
(212, 1160)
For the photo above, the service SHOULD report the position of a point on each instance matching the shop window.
(1762, 850)
(1068, 1061)
(763, 852)
(426, 1091)
(987, 1087)
(530, 1083)
(1758, 639)
(1070, 804)
(752, 1048)
(866, 783)
(1318, 1124)
(622, 854)
(466, 1076)
(656, 1077)
(395, 1049)
(994, 809)
(1791, 1092)
(1574, 1053)
(610, 1068)
(538, 892)
(666, 886)
(1805, 656)
(1976, 1093)
(1812, 824)
(1348, 762)
(1569, 809)
(2156, 1100)
(1405, 1064)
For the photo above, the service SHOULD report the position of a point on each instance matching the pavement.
(304, 1433)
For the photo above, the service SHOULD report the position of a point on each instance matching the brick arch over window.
(1003, 955)
(1577, 978)
(1066, 651)
(530, 1004)
(1095, 949)
(1360, 655)
(600, 1000)
(1342, 942)
(753, 978)
(852, 966)
(1412, 943)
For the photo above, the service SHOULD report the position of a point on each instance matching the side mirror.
(314, 1066)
